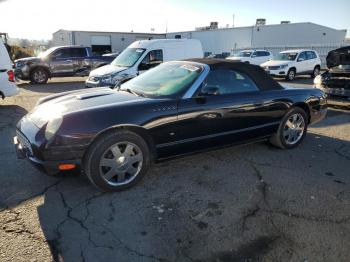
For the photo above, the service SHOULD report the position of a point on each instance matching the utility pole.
(233, 20)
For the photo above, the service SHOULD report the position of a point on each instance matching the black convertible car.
(176, 108)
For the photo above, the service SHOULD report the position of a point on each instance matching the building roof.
(107, 32)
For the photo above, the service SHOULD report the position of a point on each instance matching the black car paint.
(170, 126)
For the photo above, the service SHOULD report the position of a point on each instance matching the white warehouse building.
(100, 42)
(274, 38)
(223, 40)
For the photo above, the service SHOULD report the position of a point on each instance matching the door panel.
(61, 63)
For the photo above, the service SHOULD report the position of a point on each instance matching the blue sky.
(38, 19)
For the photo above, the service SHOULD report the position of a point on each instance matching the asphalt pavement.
(246, 203)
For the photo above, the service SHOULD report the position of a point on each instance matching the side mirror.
(210, 91)
(301, 59)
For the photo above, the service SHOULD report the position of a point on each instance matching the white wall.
(62, 37)
(298, 34)
(119, 41)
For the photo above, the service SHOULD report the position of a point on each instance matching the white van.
(141, 56)
(8, 86)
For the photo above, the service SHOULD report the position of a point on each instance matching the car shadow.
(305, 80)
(53, 87)
(78, 221)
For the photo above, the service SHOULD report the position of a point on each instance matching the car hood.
(275, 63)
(340, 56)
(28, 59)
(77, 101)
(107, 70)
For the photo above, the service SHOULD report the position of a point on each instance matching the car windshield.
(47, 52)
(286, 56)
(168, 80)
(243, 54)
(128, 57)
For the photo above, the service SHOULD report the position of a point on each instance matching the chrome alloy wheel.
(39, 76)
(294, 129)
(121, 163)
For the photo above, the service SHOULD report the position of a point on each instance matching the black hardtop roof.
(259, 76)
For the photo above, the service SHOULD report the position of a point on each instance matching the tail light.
(11, 75)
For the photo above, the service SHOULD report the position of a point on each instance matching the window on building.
(229, 82)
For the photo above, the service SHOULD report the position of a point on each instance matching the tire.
(291, 74)
(108, 163)
(283, 137)
(39, 76)
(316, 72)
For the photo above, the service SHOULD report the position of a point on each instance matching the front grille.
(24, 142)
(273, 67)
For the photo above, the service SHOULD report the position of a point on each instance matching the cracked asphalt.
(246, 203)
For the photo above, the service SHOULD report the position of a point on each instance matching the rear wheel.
(117, 161)
(291, 74)
(292, 129)
(39, 76)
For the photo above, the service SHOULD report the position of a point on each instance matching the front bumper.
(22, 72)
(278, 72)
(336, 96)
(24, 150)
(89, 83)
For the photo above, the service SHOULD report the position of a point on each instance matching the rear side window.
(229, 82)
(262, 53)
(78, 52)
(310, 55)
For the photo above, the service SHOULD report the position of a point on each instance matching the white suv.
(8, 86)
(290, 63)
(255, 57)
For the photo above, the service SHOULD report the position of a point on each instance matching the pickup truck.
(59, 61)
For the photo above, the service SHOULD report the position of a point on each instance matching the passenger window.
(224, 81)
(62, 53)
(302, 57)
(152, 59)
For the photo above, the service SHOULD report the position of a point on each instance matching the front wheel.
(291, 74)
(292, 129)
(117, 160)
(39, 76)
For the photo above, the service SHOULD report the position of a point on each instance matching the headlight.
(52, 127)
(283, 66)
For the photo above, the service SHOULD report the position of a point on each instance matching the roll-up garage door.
(101, 44)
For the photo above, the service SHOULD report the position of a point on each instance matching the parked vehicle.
(141, 56)
(173, 109)
(8, 86)
(335, 82)
(290, 63)
(255, 57)
(60, 61)
(222, 56)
